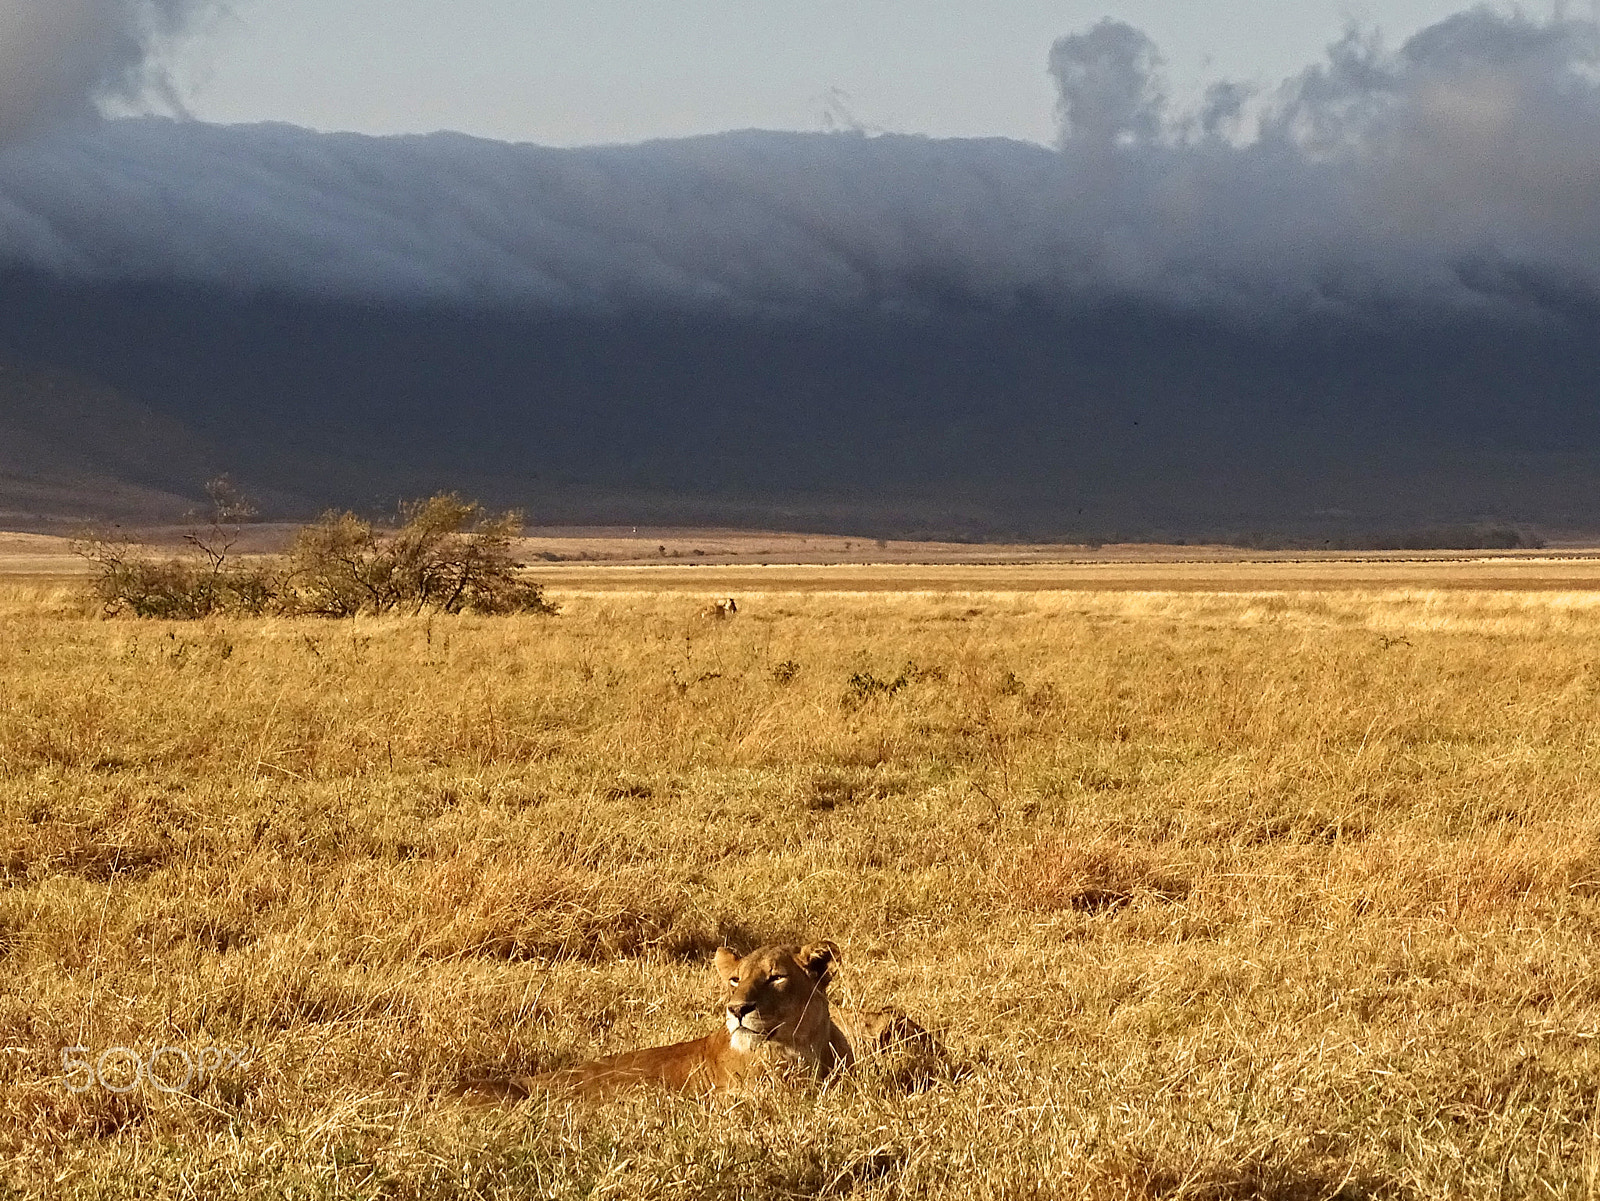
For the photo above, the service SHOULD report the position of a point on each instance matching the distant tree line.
(1453, 537)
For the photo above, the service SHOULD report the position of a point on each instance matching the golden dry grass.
(1272, 894)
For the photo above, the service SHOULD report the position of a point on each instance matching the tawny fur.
(778, 1024)
(720, 610)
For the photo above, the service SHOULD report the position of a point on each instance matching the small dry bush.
(127, 582)
(211, 580)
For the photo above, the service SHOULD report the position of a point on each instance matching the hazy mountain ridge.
(1029, 425)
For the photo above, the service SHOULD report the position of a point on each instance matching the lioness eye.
(733, 979)
(779, 979)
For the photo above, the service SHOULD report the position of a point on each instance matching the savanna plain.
(1280, 888)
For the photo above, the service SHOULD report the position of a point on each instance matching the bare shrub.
(127, 581)
(212, 580)
(863, 686)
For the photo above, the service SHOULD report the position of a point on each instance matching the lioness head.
(777, 996)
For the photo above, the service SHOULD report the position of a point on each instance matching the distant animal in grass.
(778, 1025)
(720, 610)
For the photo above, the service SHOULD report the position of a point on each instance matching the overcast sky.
(560, 72)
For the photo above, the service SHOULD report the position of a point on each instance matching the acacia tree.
(449, 554)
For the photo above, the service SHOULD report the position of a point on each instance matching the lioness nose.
(739, 1008)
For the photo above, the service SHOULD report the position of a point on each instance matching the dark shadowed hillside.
(72, 447)
(1124, 421)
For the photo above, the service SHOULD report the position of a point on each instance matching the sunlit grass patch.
(1281, 894)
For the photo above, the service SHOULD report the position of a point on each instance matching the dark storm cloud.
(1460, 171)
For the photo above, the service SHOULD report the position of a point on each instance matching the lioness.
(778, 1023)
(720, 610)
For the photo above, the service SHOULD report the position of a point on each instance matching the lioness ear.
(727, 960)
(820, 959)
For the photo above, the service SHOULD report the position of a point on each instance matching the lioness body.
(778, 1024)
(702, 1065)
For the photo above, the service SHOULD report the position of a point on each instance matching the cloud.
(1481, 133)
(1459, 172)
(59, 59)
(1108, 85)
